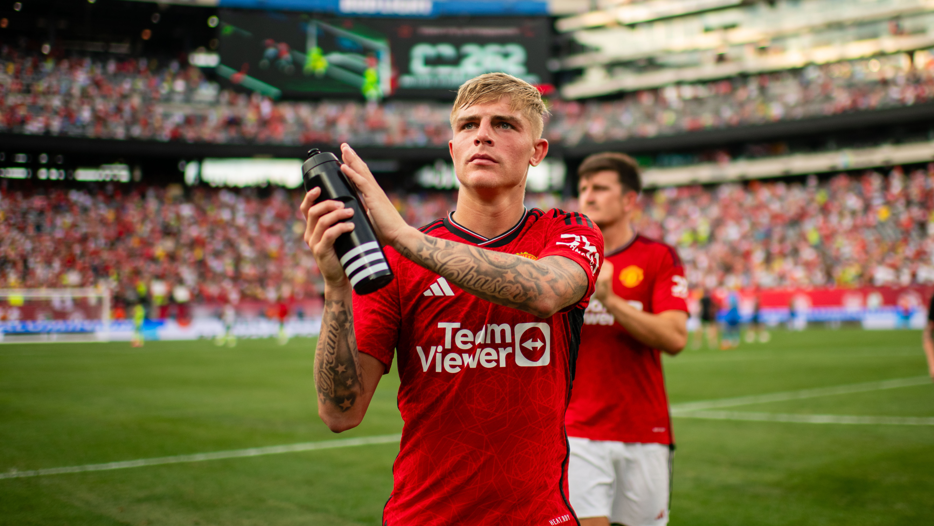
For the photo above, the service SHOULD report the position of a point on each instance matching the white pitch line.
(797, 354)
(810, 419)
(201, 457)
(680, 409)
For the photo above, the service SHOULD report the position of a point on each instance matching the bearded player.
(618, 421)
(483, 315)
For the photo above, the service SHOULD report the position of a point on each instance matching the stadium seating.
(132, 98)
(851, 230)
(854, 229)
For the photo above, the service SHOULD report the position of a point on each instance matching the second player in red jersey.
(633, 406)
(618, 418)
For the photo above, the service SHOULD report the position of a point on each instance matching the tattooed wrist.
(337, 362)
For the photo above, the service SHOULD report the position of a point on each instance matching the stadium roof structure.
(624, 47)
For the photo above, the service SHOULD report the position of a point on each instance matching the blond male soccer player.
(483, 315)
(618, 421)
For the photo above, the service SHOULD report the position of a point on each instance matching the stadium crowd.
(136, 98)
(850, 230)
(218, 244)
(157, 243)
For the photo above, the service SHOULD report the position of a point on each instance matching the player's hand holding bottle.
(322, 227)
(389, 225)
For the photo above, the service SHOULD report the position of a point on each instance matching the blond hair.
(490, 87)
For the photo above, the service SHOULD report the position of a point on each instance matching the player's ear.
(539, 151)
(632, 198)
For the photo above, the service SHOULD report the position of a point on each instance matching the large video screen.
(295, 55)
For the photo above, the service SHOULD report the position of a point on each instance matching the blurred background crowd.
(215, 244)
(147, 146)
(163, 100)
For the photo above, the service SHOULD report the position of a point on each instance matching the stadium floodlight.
(15, 173)
(67, 314)
(204, 59)
(245, 172)
(106, 172)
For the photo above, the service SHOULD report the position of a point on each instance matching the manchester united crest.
(631, 276)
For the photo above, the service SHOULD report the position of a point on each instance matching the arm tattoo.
(337, 363)
(504, 279)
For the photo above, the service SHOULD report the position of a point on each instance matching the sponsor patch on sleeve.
(582, 246)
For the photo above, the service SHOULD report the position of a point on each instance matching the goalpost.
(37, 315)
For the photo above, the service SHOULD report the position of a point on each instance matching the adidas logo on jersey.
(439, 288)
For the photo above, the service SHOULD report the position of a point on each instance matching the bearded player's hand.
(322, 227)
(604, 284)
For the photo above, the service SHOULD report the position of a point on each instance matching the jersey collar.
(472, 237)
(626, 245)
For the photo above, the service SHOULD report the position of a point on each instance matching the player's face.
(493, 146)
(603, 198)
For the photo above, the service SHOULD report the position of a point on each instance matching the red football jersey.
(483, 387)
(619, 391)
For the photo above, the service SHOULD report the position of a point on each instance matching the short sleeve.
(574, 236)
(376, 320)
(671, 287)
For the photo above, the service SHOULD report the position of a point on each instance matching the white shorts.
(628, 482)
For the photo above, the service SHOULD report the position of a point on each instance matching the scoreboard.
(294, 55)
(444, 55)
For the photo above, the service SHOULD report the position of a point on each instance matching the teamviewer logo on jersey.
(533, 344)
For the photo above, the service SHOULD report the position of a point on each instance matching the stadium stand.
(147, 109)
(856, 229)
(851, 230)
(164, 100)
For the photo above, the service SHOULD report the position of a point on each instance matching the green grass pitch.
(65, 405)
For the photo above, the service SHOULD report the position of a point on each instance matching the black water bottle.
(359, 251)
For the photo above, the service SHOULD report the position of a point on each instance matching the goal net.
(35, 315)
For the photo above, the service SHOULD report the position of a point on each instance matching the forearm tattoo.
(337, 363)
(504, 279)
